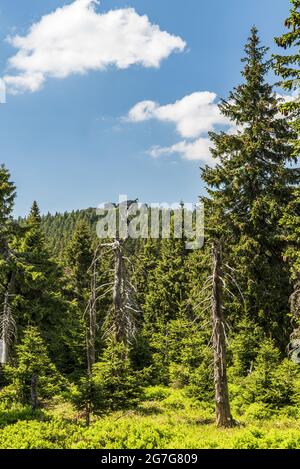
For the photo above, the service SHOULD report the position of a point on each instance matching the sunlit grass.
(166, 419)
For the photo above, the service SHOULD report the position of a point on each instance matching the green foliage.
(79, 256)
(181, 366)
(272, 381)
(7, 197)
(173, 422)
(244, 347)
(60, 227)
(116, 384)
(33, 361)
(287, 67)
(248, 190)
(166, 295)
(253, 209)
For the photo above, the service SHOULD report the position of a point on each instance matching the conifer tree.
(166, 295)
(165, 301)
(7, 263)
(39, 289)
(7, 197)
(79, 255)
(35, 376)
(288, 68)
(248, 188)
(146, 261)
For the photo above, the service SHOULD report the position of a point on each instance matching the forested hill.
(59, 228)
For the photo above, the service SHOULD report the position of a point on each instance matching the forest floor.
(166, 419)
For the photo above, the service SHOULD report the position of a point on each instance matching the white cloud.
(193, 115)
(76, 39)
(192, 151)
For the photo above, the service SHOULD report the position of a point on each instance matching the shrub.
(258, 411)
(156, 393)
(272, 381)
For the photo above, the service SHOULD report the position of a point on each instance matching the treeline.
(59, 228)
(98, 321)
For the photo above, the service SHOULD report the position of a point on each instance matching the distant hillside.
(59, 228)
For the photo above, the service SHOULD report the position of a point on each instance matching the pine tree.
(167, 285)
(39, 289)
(288, 67)
(248, 188)
(79, 255)
(7, 263)
(7, 198)
(146, 262)
(165, 301)
(35, 377)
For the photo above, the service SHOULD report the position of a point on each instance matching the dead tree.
(119, 273)
(125, 309)
(223, 414)
(91, 312)
(7, 322)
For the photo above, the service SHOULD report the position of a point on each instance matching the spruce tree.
(35, 376)
(79, 255)
(248, 188)
(7, 263)
(39, 297)
(165, 301)
(7, 198)
(166, 295)
(288, 68)
(78, 258)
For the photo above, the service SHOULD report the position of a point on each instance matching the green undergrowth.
(165, 419)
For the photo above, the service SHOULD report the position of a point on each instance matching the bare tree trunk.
(34, 400)
(92, 319)
(119, 281)
(7, 322)
(223, 414)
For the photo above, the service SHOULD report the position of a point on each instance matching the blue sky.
(66, 140)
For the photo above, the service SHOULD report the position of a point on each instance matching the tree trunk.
(92, 319)
(223, 414)
(34, 401)
(119, 280)
(88, 416)
(7, 322)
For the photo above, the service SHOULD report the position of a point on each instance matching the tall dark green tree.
(287, 67)
(79, 255)
(165, 301)
(7, 198)
(38, 285)
(248, 188)
(7, 262)
(78, 258)
(166, 295)
(35, 377)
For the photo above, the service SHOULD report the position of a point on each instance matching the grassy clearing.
(166, 419)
